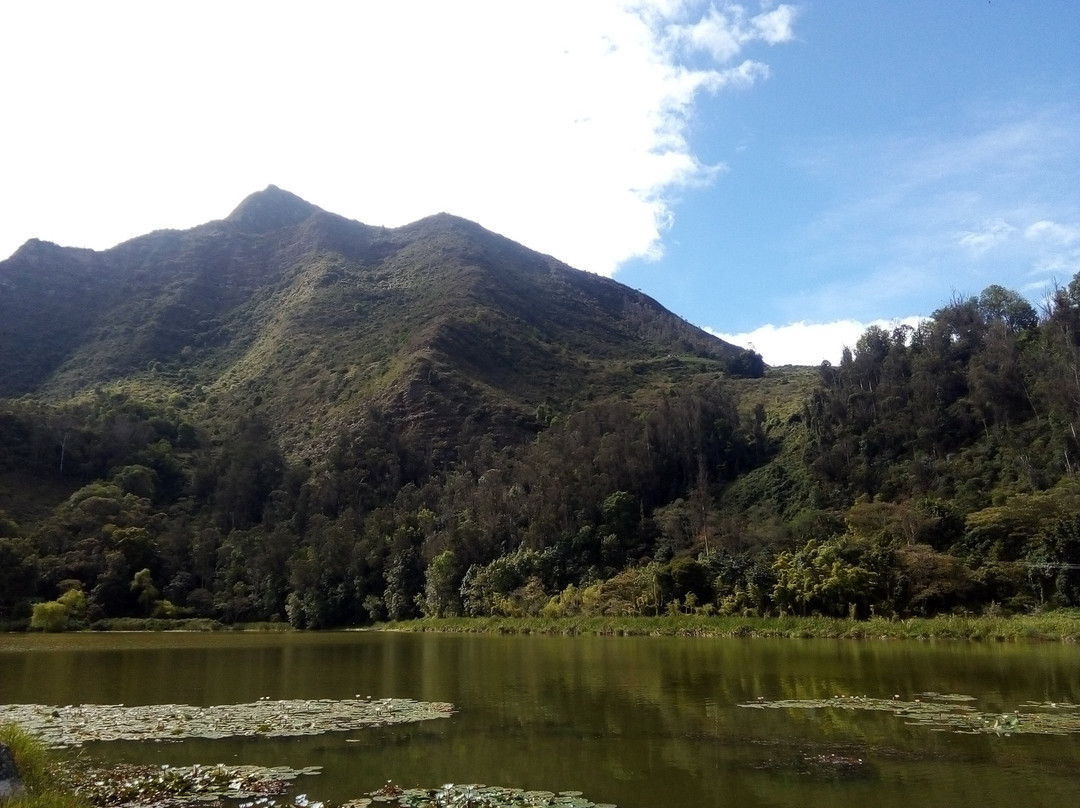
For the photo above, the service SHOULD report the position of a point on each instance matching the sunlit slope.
(312, 318)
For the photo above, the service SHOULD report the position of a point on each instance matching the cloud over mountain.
(563, 126)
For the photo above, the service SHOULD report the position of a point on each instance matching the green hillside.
(317, 317)
(287, 415)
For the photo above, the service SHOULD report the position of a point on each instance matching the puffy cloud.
(723, 31)
(805, 343)
(563, 126)
(1052, 232)
(776, 26)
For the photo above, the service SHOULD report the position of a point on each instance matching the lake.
(635, 721)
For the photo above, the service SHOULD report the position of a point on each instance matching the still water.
(633, 721)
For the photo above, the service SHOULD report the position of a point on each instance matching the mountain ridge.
(296, 307)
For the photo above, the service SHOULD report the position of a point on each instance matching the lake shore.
(1052, 626)
(1057, 626)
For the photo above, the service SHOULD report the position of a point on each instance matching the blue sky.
(900, 153)
(781, 174)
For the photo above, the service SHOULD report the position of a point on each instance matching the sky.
(780, 174)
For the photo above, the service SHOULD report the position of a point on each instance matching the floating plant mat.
(950, 712)
(75, 725)
(471, 796)
(177, 786)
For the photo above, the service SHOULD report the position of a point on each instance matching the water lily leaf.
(949, 713)
(75, 725)
(476, 795)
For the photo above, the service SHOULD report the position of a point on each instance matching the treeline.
(933, 469)
(172, 523)
(983, 398)
(961, 435)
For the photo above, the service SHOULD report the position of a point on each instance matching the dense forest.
(932, 470)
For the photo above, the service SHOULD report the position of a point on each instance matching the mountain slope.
(313, 317)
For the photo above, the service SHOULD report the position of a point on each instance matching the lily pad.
(75, 725)
(949, 713)
(176, 786)
(473, 795)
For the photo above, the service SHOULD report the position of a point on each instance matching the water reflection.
(635, 721)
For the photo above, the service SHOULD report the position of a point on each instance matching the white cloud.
(1052, 232)
(563, 126)
(805, 343)
(1057, 266)
(746, 74)
(990, 235)
(941, 213)
(723, 31)
(1057, 249)
(776, 26)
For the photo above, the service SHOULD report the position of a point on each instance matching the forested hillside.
(288, 416)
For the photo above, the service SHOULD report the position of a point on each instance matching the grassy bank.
(1060, 626)
(198, 624)
(39, 771)
(189, 624)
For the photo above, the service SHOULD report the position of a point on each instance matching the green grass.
(1063, 626)
(183, 624)
(156, 624)
(40, 773)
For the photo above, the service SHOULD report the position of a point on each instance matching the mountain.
(312, 317)
(286, 415)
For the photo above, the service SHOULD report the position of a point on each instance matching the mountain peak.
(36, 250)
(270, 209)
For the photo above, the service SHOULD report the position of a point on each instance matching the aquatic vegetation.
(86, 784)
(74, 725)
(822, 766)
(949, 712)
(168, 786)
(254, 787)
(472, 796)
(40, 772)
(1048, 626)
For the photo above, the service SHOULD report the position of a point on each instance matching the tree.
(18, 574)
(683, 579)
(146, 594)
(620, 529)
(112, 593)
(50, 616)
(1053, 561)
(486, 587)
(818, 578)
(75, 604)
(442, 582)
(930, 581)
(404, 580)
(249, 469)
(1006, 306)
(138, 480)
